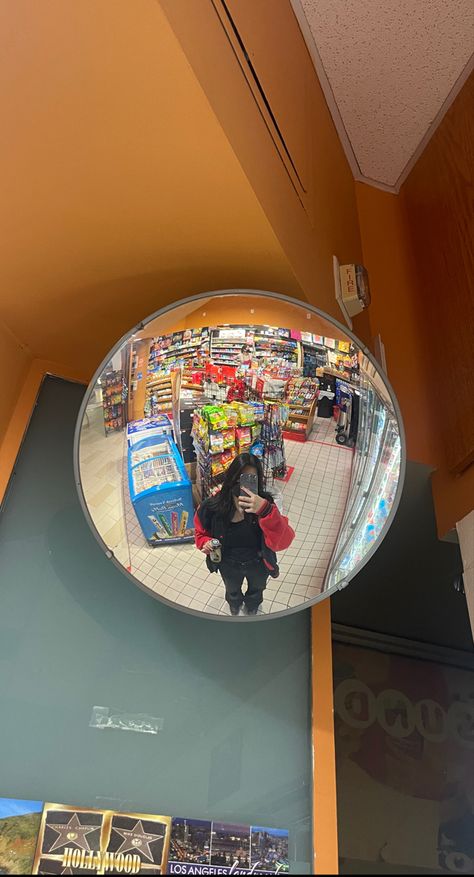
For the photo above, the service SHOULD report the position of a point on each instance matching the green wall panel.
(75, 633)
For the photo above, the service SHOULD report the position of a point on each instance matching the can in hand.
(216, 552)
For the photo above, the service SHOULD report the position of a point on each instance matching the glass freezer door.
(378, 437)
(363, 467)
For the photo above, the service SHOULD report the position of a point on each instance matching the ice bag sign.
(37, 838)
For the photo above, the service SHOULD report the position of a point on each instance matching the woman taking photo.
(249, 529)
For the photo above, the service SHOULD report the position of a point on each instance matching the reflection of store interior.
(177, 406)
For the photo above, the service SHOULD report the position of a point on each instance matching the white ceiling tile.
(390, 67)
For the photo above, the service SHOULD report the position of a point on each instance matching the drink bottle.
(216, 553)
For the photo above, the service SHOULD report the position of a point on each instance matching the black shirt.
(243, 541)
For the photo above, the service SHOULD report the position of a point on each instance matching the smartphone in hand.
(250, 481)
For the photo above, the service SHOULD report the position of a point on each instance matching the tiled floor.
(313, 498)
(101, 467)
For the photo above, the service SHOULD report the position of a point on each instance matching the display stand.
(220, 432)
(184, 347)
(137, 377)
(159, 395)
(274, 459)
(300, 422)
(113, 401)
(314, 356)
(275, 415)
(302, 397)
(277, 344)
(266, 342)
(226, 344)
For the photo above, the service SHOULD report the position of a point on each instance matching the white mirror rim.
(389, 398)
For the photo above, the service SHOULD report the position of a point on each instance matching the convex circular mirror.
(239, 455)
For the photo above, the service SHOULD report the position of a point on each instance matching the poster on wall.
(405, 759)
(42, 838)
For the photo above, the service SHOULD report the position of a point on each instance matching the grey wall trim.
(369, 639)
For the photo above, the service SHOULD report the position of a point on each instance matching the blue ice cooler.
(161, 491)
(149, 427)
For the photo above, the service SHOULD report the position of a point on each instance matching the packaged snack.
(244, 437)
(230, 414)
(200, 429)
(245, 413)
(256, 430)
(228, 436)
(227, 457)
(216, 465)
(257, 449)
(216, 442)
(216, 417)
(219, 420)
(258, 409)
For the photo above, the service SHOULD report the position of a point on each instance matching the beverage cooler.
(160, 491)
(374, 481)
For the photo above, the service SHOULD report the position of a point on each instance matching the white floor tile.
(313, 498)
(295, 600)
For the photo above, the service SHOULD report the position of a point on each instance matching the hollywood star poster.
(44, 838)
(404, 731)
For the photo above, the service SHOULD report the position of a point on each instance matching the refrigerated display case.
(374, 482)
(160, 491)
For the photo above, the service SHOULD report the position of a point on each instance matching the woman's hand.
(252, 502)
(207, 547)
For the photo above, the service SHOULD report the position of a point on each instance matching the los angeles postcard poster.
(43, 838)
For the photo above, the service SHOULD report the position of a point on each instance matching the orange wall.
(23, 407)
(218, 311)
(15, 359)
(121, 192)
(437, 200)
(418, 248)
(393, 313)
(453, 497)
(271, 312)
(312, 225)
(325, 858)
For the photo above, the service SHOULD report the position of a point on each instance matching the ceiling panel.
(390, 70)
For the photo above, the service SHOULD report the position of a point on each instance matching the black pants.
(233, 578)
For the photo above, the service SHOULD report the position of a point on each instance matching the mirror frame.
(257, 293)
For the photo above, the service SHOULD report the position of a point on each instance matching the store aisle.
(313, 498)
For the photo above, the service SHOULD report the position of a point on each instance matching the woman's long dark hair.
(223, 502)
